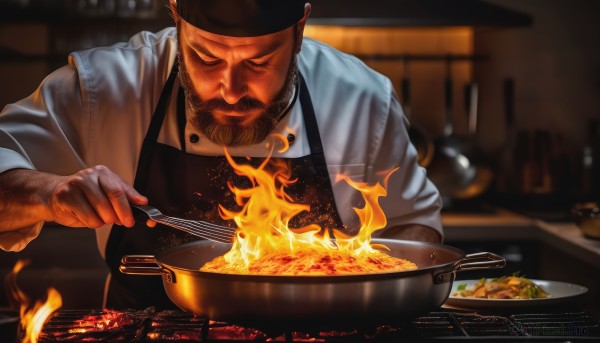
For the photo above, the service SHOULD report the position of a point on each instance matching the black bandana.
(241, 18)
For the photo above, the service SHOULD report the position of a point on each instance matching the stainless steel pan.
(310, 302)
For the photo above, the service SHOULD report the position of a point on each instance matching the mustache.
(243, 105)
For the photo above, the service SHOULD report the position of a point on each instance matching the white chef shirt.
(97, 109)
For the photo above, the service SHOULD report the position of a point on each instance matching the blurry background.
(533, 60)
(518, 79)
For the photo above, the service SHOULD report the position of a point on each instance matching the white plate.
(561, 293)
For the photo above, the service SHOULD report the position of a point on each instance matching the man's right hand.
(90, 198)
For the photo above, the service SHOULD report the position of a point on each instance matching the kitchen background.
(531, 68)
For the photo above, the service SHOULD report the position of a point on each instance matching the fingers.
(69, 206)
(134, 197)
(118, 205)
(94, 197)
(100, 199)
(88, 216)
(120, 194)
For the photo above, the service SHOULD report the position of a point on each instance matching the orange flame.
(106, 321)
(263, 221)
(32, 317)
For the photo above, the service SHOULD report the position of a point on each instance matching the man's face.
(236, 86)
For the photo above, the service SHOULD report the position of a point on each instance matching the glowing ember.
(265, 244)
(109, 320)
(32, 317)
(234, 333)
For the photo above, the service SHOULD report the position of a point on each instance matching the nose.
(233, 85)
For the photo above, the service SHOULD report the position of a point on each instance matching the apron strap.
(141, 179)
(316, 146)
(312, 130)
(181, 118)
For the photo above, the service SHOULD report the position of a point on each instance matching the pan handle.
(493, 261)
(144, 265)
(480, 260)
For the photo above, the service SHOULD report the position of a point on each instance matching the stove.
(178, 326)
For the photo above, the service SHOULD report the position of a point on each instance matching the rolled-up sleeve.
(412, 198)
(39, 133)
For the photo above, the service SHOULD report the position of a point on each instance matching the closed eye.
(263, 65)
(204, 57)
(209, 63)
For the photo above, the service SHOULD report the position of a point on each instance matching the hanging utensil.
(450, 168)
(483, 173)
(418, 138)
(508, 163)
(471, 103)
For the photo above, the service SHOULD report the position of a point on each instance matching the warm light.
(16, 296)
(32, 317)
(109, 320)
(264, 234)
(106, 321)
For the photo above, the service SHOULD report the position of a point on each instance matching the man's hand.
(91, 198)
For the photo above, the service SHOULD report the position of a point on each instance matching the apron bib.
(192, 186)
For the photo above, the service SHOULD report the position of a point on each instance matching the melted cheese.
(312, 262)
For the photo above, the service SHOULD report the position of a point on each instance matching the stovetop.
(169, 326)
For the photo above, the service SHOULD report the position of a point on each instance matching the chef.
(146, 122)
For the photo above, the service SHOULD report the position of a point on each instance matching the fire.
(264, 234)
(108, 320)
(32, 317)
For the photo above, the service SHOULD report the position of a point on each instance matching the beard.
(237, 131)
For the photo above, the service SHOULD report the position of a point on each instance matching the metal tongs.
(213, 232)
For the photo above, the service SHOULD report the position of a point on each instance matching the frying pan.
(277, 303)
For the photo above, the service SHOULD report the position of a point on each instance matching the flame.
(16, 296)
(108, 320)
(32, 317)
(263, 221)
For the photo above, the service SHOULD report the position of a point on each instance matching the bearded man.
(146, 121)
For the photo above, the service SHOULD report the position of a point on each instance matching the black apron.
(192, 186)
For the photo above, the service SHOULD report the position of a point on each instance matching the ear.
(300, 27)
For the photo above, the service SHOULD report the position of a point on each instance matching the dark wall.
(37, 36)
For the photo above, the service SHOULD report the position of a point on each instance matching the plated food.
(504, 287)
(560, 294)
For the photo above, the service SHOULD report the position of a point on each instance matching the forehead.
(195, 36)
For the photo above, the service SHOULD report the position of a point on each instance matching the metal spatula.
(213, 232)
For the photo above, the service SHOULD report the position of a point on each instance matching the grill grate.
(557, 324)
(169, 326)
(436, 324)
(95, 325)
(477, 325)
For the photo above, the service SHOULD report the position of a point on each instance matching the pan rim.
(321, 279)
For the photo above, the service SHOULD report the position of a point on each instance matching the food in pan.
(505, 287)
(265, 244)
(313, 262)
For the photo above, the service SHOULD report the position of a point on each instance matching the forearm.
(413, 233)
(24, 198)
